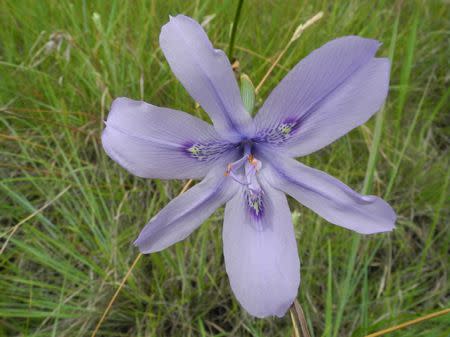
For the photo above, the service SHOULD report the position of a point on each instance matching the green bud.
(247, 93)
(97, 22)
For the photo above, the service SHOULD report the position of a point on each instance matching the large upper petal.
(186, 212)
(206, 74)
(330, 198)
(261, 259)
(333, 90)
(155, 142)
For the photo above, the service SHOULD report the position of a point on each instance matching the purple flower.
(247, 163)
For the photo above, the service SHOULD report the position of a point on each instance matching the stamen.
(236, 179)
(235, 165)
(229, 168)
(244, 171)
(255, 163)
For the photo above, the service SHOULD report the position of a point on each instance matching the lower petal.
(186, 212)
(261, 259)
(330, 198)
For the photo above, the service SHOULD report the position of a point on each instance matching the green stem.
(233, 32)
(298, 320)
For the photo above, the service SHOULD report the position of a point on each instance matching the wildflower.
(247, 163)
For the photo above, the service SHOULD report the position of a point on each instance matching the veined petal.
(333, 90)
(260, 253)
(186, 212)
(206, 74)
(155, 142)
(330, 198)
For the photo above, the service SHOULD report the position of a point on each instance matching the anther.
(255, 163)
(251, 164)
(229, 168)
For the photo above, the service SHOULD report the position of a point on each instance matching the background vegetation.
(68, 214)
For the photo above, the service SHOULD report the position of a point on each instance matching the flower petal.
(155, 142)
(333, 90)
(206, 74)
(330, 198)
(261, 259)
(186, 212)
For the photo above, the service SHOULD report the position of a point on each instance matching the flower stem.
(299, 320)
(233, 31)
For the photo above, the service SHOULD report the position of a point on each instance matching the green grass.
(62, 265)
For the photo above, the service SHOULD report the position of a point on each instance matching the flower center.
(244, 169)
(245, 172)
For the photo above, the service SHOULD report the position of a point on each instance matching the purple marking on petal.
(207, 151)
(280, 133)
(255, 206)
